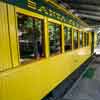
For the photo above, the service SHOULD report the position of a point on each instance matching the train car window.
(85, 40)
(30, 33)
(68, 38)
(75, 39)
(54, 31)
(87, 36)
(81, 39)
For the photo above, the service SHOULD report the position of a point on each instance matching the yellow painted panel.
(54, 21)
(78, 39)
(0, 89)
(46, 37)
(72, 39)
(30, 13)
(68, 25)
(0, 39)
(5, 57)
(83, 40)
(33, 81)
(62, 38)
(90, 41)
(95, 39)
(13, 34)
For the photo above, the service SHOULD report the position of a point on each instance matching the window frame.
(81, 32)
(68, 26)
(50, 20)
(34, 15)
(75, 29)
(85, 39)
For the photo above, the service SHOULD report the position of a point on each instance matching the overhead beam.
(89, 16)
(85, 6)
(91, 21)
(94, 2)
(89, 12)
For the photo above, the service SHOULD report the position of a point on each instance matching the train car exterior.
(37, 50)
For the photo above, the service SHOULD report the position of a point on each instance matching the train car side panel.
(35, 80)
(13, 34)
(5, 54)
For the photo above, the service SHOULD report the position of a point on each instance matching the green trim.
(42, 7)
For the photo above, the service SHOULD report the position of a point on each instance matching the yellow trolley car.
(41, 44)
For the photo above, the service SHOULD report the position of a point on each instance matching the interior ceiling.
(87, 10)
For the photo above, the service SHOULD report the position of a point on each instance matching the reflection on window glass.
(75, 39)
(81, 39)
(30, 37)
(54, 38)
(68, 38)
(85, 39)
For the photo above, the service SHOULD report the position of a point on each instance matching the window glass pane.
(68, 38)
(54, 38)
(30, 34)
(85, 39)
(81, 39)
(75, 39)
